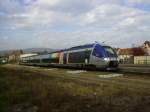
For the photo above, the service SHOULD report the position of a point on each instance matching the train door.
(65, 58)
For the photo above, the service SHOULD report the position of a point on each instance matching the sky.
(65, 23)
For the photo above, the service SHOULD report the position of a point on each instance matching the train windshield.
(98, 51)
(110, 52)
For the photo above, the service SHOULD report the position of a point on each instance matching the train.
(95, 55)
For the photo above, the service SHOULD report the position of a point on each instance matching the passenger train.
(94, 55)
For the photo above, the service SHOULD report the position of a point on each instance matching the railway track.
(132, 68)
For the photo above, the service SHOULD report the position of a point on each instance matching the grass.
(23, 90)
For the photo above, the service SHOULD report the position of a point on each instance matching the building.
(27, 55)
(126, 55)
(146, 47)
(14, 56)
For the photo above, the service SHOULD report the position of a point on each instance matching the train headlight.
(106, 59)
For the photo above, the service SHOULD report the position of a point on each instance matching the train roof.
(74, 48)
(79, 47)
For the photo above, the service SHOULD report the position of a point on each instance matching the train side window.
(87, 53)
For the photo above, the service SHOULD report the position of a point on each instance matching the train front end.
(111, 58)
(104, 57)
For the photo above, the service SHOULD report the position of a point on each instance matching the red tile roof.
(131, 51)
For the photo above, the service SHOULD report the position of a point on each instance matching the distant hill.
(5, 52)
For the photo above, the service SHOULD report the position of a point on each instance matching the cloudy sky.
(65, 23)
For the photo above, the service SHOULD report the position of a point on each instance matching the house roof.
(131, 51)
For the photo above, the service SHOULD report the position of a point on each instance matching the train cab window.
(98, 51)
(110, 52)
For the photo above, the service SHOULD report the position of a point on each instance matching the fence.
(135, 60)
(126, 60)
(142, 60)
